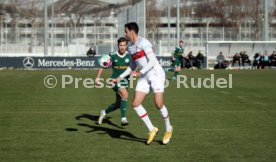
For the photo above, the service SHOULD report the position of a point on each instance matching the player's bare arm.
(99, 74)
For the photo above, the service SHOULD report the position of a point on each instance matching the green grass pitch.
(41, 124)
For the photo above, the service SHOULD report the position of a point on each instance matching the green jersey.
(177, 53)
(119, 63)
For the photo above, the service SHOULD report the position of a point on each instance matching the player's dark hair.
(181, 41)
(132, 26)
(122, 39)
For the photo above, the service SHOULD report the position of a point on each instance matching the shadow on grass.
(95, 119)
(113, 133)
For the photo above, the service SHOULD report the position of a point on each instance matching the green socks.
(110, 108)
(123, 107)
(176, 73)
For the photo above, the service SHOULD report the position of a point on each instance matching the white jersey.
(139, 50)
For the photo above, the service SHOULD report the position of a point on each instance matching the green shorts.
(176, 63)
(121, 83)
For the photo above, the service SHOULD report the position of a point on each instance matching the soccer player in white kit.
(152, 77)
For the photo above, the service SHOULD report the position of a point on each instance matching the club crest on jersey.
(127, 60)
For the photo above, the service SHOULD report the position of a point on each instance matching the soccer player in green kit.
(177, 56)
(120, 62)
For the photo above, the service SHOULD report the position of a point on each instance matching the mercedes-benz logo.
(28, 62)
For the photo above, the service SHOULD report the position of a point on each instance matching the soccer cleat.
(124, 123)
(102, 115)
(152, 135)
(167, 137)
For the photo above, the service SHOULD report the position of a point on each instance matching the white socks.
(165, 116)
(144, 116)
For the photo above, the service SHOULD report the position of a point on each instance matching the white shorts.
(154, 82)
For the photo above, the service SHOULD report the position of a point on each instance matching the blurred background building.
(73, 26)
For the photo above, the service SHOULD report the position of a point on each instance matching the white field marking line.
(259, 103)
(83, 112)
(247, 100)
(224, 92)
(243, 98)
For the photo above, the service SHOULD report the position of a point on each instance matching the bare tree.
(255, 14)
(81, 9)
(153, 19)
(32, 11)
(14, 16)
(234, 13)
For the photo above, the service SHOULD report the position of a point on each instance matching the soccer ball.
(105, 61)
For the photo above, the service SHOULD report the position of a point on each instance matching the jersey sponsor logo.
(120, 67)
(138, 55)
